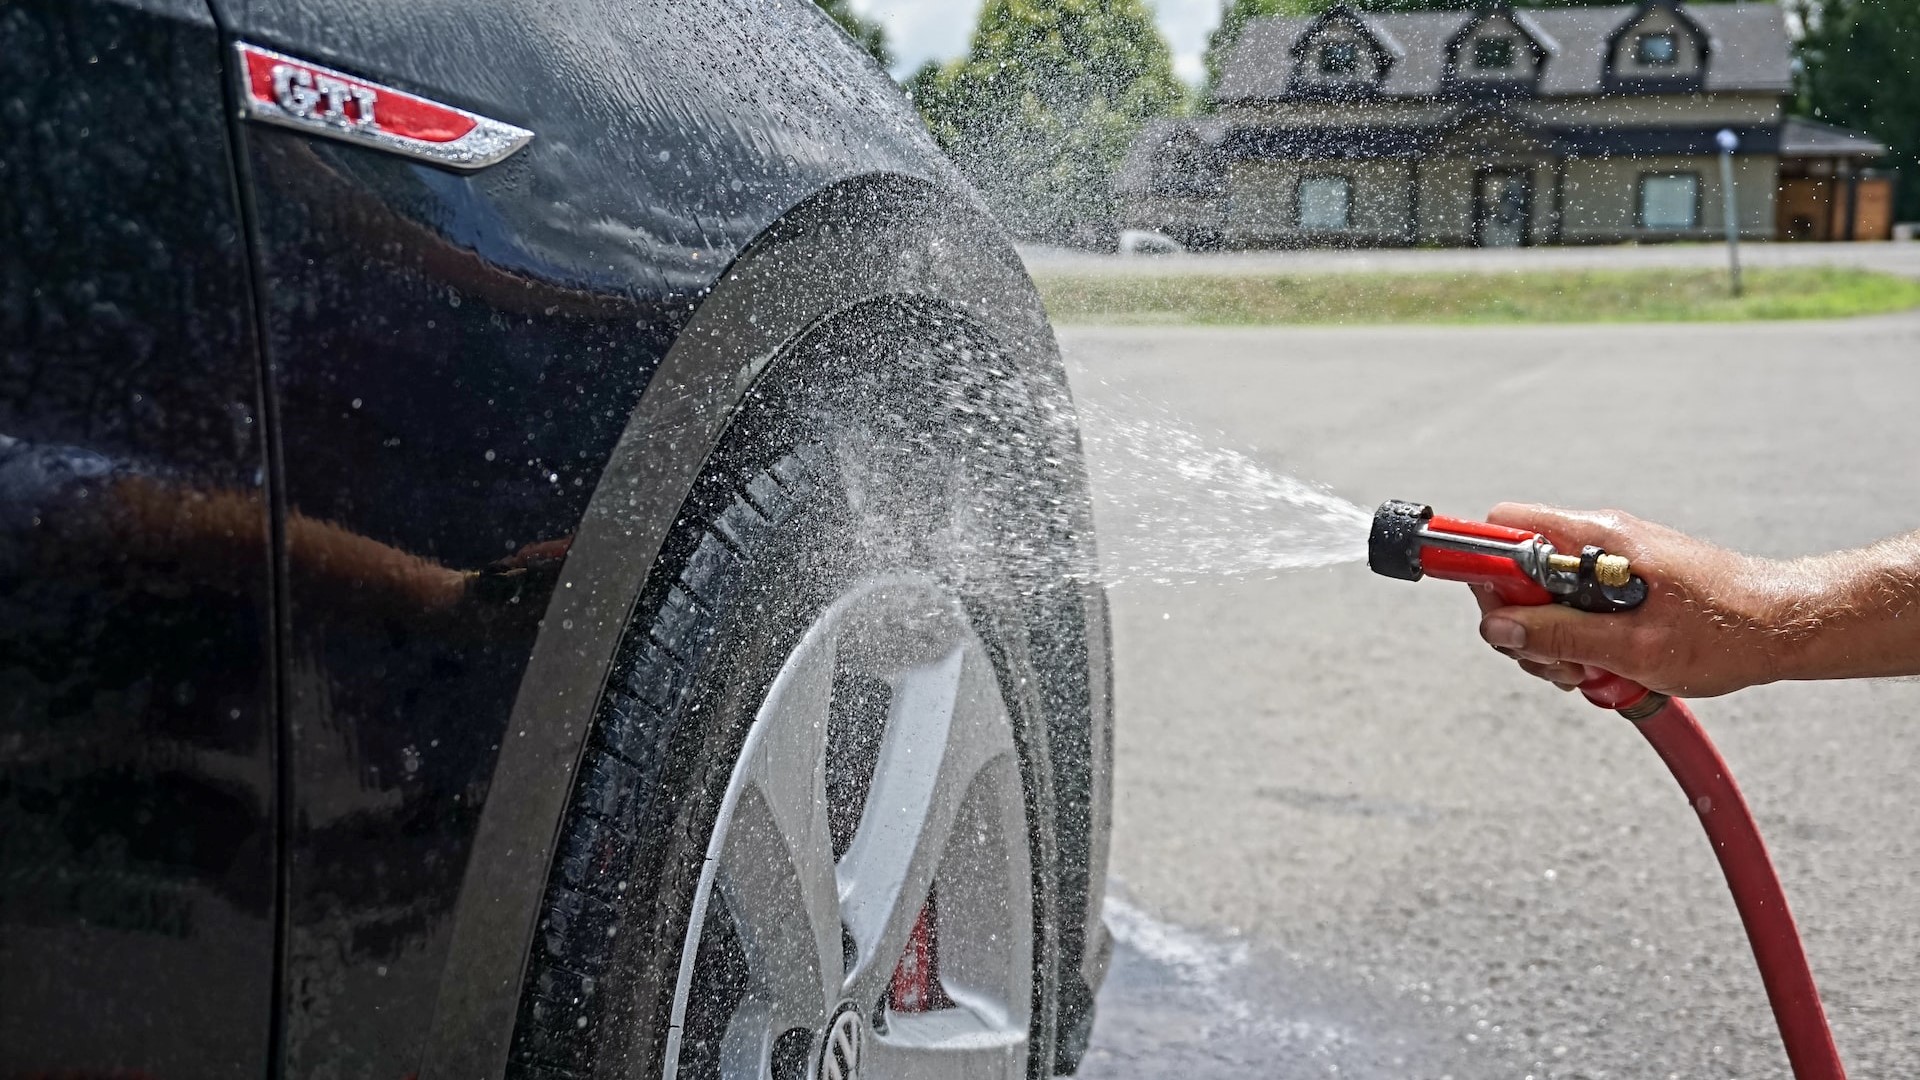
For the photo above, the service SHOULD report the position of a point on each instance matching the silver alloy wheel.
(943, 813)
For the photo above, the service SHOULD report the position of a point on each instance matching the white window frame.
(1668, 222)
(1330, 182)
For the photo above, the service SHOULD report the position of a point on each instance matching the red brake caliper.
(916, 978)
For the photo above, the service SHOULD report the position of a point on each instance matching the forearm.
(1852, 614)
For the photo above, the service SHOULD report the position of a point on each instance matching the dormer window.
(1657, 50)
(1339, 57)
(1493, 54)
(1659, 47)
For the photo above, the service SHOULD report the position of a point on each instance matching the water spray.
(1408, 541)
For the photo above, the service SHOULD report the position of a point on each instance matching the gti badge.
(278, 89)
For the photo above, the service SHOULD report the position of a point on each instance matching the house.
(1503, 127)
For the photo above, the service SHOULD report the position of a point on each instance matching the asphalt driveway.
(1350, 840)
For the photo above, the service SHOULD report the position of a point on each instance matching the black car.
(536, 539)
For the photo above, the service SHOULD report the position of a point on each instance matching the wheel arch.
(876, 236)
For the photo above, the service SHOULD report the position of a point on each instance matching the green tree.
(1043, 107)
(870, 34)
(1859, 67)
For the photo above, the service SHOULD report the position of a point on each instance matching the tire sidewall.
(829, 426)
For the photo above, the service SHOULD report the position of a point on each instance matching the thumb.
(1552, 633)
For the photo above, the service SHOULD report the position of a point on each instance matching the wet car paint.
(137, 854)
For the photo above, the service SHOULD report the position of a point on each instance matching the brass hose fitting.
(1613, 570)
(1609, 570)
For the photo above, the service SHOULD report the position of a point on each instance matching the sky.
(922, 30)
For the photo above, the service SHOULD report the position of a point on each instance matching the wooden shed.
(1828, 189)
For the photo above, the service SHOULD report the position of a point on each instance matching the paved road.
(1895, 258)
(1351, 840)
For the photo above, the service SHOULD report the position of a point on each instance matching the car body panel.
(137, 831)
(453, 357)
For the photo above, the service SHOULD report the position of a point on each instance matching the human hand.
(1714, 621)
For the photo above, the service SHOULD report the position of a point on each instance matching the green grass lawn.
(1531, 296)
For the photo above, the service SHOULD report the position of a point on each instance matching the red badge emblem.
(279, 89)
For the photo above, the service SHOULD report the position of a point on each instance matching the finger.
(1568, 529)
(1564, 676)
(1487, 598)
(1552, 633)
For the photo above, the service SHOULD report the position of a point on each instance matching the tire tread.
(556, 1032)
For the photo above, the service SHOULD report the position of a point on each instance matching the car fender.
(879, 236)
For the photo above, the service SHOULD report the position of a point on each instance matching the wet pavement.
(1350, 840)
(1182, 1003)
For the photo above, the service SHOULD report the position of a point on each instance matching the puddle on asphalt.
(1180, 1003)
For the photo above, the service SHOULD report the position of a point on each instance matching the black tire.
(896, 436)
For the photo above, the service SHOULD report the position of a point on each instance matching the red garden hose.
(1409, 542)
(1694, 761)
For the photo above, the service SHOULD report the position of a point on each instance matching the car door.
(137, 824)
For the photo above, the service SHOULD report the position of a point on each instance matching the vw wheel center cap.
(846, 1038)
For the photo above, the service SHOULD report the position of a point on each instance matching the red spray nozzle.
(1410, 542)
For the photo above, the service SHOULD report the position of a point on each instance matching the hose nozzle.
(1408, 541)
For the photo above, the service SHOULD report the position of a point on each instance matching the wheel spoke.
(777, 867)
(747, 1047)
(946, 724)
(985, 886)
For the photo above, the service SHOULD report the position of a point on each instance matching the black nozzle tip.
(1393, 547)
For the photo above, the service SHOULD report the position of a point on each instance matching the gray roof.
(1800, 137)
(1136, 169)
(1747, 45)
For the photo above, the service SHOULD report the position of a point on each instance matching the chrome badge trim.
(284, 90)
